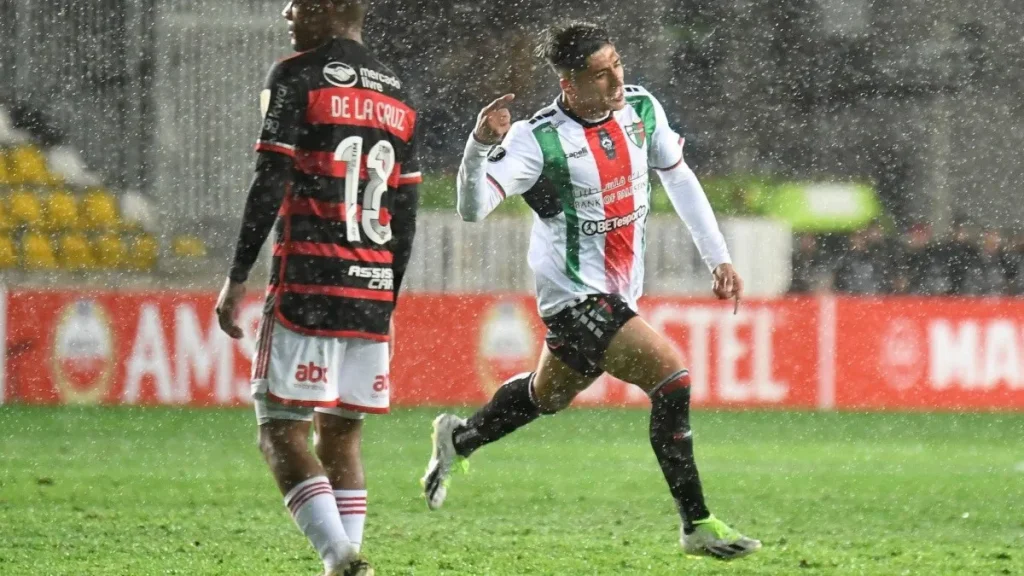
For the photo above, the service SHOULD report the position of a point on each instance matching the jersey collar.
(572, 115)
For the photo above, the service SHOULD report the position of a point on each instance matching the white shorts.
(294, 375)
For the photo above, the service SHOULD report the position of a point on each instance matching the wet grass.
(164, 491)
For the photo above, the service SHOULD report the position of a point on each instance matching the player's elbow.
(470, 215)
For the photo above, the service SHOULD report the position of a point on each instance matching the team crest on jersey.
(637, 134)
(607, 144)
(340, 74)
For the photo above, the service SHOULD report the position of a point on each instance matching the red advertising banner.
(929, 354)
(166, 348)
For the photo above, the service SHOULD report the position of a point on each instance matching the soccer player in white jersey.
(582, 164)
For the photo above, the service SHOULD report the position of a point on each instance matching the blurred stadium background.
(865, 158)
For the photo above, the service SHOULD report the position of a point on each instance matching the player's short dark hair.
(566, 47)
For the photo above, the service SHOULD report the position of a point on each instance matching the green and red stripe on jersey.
(614, 166)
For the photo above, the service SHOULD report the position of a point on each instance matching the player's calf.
(512, 407)
(308, 493)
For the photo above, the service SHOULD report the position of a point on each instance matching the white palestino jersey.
(588, 184)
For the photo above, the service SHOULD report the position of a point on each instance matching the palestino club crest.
(637, 134)
(83, 352)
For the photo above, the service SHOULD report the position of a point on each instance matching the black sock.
(511, 408)
(672, 441)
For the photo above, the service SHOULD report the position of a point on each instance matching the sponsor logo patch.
(311, 373)
(340, 74)
(496, 154)
(594, 227)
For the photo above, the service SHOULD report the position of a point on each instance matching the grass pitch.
(90, 491)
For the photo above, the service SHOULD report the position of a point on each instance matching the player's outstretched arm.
(501, 159)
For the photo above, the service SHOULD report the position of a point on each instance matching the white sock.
(352, 507)
(313, 507)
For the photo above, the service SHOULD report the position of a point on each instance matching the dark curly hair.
(566, 47)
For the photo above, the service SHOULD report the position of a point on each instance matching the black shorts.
(580, 334)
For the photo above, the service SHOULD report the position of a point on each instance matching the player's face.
(600, 86)
(309, 22)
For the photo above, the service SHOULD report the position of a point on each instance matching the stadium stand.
(8, 253)
(56, 214)
(75, 252)
(61, 211)
(37, 252)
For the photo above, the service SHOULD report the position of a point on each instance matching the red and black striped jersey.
(346, 121)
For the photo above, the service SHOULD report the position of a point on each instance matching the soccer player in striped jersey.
(582, 164)
(337, 172)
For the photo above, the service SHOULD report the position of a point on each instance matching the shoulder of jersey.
(634, 90)
(295, 63)
(543, 117)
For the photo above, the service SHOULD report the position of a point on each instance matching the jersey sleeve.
(665, 145)
(283, 104)
(489, 174)
(514, 166)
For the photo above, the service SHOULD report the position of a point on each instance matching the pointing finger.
(499, 103)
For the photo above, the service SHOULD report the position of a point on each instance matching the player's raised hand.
(728, 284)
(494, 121)
(227, 306)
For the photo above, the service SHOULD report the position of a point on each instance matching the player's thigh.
(338, 429)
(282, 429)
(557, 383)
(638, 354)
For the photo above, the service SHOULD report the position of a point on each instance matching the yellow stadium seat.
(5, 174)
(109, 250)
(5, 219)
(8, 253)
(75, 253)
(99, 210)
(188, 247)
(61, 211)
(144, 252)
(27, 165)
(37, 252)
(25, 208)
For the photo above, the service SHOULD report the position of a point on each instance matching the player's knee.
(277, 443)
(266, 444)
(338, 443)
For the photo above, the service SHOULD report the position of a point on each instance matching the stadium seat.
(74, 252)
(145, 251)
(27, 165)
(5, 175)
(8, 253)
(5, 219)
(24, 208)
(99, 210)
(188, 247)
(109, 250)
(37, 252)
(61, 211)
